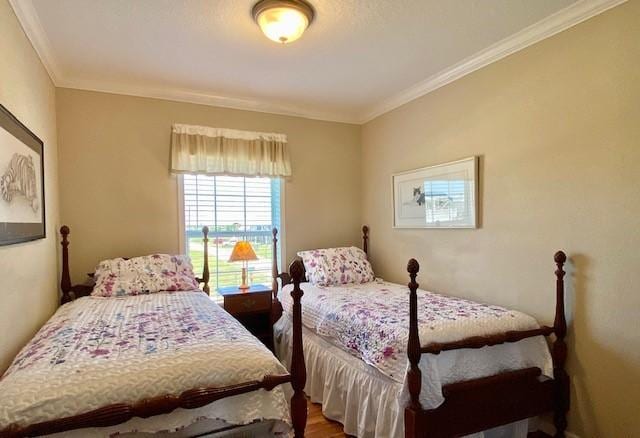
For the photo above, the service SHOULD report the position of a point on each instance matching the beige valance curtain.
(218, 151)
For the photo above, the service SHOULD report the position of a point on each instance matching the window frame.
(182, 244)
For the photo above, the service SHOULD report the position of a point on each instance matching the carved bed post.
(365, 239)
(276, 308)
(274, 265)
(298, 369)
(414, 376)
(559, 352)
(205, 268)
(65, 279)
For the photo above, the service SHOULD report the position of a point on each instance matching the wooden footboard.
(119, 413)
(479, 404)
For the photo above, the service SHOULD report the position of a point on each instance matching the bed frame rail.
(486, 341)
(119, 413)
(479, 404)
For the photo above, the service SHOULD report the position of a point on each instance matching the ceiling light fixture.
(283, 21)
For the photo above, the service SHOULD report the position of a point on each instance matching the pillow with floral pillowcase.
(144, 275)
(337, 266)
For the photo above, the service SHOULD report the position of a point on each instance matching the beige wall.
(28, 278)
(557, 127)
(119, 199)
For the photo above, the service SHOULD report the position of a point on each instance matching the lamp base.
(244, 286)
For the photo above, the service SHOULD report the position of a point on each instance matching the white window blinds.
(234, 208)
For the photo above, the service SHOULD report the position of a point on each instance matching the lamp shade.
(242, 252)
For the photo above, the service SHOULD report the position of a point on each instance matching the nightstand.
(252, 308)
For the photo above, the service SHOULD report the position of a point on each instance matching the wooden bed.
(115, 414)
(472, 406)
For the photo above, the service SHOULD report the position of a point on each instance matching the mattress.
(371, 322)
(98, 351)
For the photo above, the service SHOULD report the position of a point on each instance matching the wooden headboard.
(285, 277)
(71, 292)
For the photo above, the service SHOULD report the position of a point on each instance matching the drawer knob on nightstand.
(248, 303)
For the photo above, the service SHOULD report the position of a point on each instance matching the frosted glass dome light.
(283, 21)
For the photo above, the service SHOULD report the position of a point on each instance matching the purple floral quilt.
(99, 351)
(371, 320)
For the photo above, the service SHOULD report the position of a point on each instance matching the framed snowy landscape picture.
(22, 214)
(440, 196)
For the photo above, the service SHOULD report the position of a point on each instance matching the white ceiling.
(359, 58)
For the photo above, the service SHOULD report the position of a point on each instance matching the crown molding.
(564, 19)
(30, 22)
(572, 15)
(203, 98)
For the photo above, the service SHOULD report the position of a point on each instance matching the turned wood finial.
(365, 239)
(413, 267)
(296, 269)
(65, 278)
(560, 257)
(205, 268)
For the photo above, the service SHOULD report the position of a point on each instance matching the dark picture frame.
(22, 197)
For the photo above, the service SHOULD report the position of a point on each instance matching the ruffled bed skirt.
(365, 401)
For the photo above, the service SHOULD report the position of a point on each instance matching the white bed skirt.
(365, 401)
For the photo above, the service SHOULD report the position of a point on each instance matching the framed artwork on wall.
(440, 196)
(22, 216)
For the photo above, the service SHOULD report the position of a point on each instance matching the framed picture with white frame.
(439, 196)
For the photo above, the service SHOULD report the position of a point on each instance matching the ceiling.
(358, 59)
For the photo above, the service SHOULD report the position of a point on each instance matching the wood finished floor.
(320, 427)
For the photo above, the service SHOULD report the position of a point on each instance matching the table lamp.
(243, 252)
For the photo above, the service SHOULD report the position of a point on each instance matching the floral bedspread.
(371, 320)
(99, 351)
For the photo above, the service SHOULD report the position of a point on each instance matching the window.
(234, 208)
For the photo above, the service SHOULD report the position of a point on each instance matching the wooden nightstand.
(252, 308)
